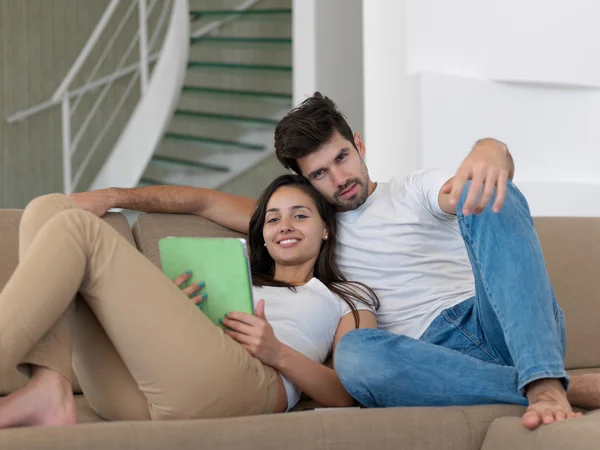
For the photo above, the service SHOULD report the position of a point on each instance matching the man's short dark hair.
(306, 128)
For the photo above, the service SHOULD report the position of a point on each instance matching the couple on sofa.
(430, 291)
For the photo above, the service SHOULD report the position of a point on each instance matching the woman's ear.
(325, 235)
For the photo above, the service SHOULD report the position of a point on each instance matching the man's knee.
(351, 354)
(514, 203)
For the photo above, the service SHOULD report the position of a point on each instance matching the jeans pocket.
(465, 333)
(454, 328)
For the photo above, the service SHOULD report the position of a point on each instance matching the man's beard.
(357, 200)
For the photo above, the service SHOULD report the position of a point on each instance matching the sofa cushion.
(149, 228)
(9, 252)
(336, 429)
(571, 249)
(581, 433)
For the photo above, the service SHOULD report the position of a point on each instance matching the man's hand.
(96, 202)
(255, 334)
(488, 166)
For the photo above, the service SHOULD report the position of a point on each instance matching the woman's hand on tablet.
(255, 334)
(192, 289)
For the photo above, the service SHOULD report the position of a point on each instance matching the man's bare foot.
(584, 391)
(547, 403)
(46, 400)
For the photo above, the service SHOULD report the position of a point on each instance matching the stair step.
(187, 163)
(262, 94)
(248, 13)
(240, 79)
(214, 141)
(145, 181)
(229, 117)
(219, 65)
(240, 40)
(276, 27)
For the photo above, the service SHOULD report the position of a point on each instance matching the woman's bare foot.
(584, 391)
(547, 403)
(46, 400)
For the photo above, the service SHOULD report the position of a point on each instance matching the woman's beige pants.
(141, 348)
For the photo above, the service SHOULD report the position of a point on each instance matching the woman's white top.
(306, 320)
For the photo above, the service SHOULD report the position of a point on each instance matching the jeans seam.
(468, 241)
(474, 341)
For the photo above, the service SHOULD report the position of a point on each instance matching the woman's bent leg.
(181, 362)
(104, 378)
(53, 350)
(48, 398)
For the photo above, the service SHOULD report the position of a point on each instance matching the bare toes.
(531, 420)
(548, 417)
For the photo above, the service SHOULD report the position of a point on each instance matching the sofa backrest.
(571, 249)
(149, 228)
(9, 251)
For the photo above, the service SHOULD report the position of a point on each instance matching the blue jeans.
(484, 350)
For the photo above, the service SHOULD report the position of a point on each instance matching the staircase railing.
(176, 40)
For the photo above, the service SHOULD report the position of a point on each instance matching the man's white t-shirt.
(306, 320)
(411, 253)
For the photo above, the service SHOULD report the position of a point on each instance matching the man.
(468, 314)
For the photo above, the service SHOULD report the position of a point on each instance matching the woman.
(143, 350)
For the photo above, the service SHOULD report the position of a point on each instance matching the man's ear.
(360, 145)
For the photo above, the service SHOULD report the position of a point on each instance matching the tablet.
(222, 263)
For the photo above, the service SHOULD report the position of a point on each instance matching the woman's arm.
(321, 383)
(316, 380)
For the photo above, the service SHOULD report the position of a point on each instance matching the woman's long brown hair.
(326, 269)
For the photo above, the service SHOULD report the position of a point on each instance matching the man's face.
(337, 171)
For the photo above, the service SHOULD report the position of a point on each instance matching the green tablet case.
(222, 263)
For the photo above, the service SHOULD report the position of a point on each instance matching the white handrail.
(134, 148)
(66, 132)
(159, 26)
(143, 33)
(85, 52)
(105, 53)
(84, 126)
(104, 130)
(24, 114)
(33, 110)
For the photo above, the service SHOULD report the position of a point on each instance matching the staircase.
(238, 86)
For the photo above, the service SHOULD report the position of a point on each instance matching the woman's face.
(293, 230)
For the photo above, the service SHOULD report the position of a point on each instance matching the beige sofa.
(572, 250)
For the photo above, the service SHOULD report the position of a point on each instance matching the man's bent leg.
(382, 369)
(517, 307)
(515, 300)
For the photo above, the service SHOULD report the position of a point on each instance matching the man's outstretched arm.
(228, 210)
(488, 166)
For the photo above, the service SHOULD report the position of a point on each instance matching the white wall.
(391, 104)
(328, 54)
(440, 74)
